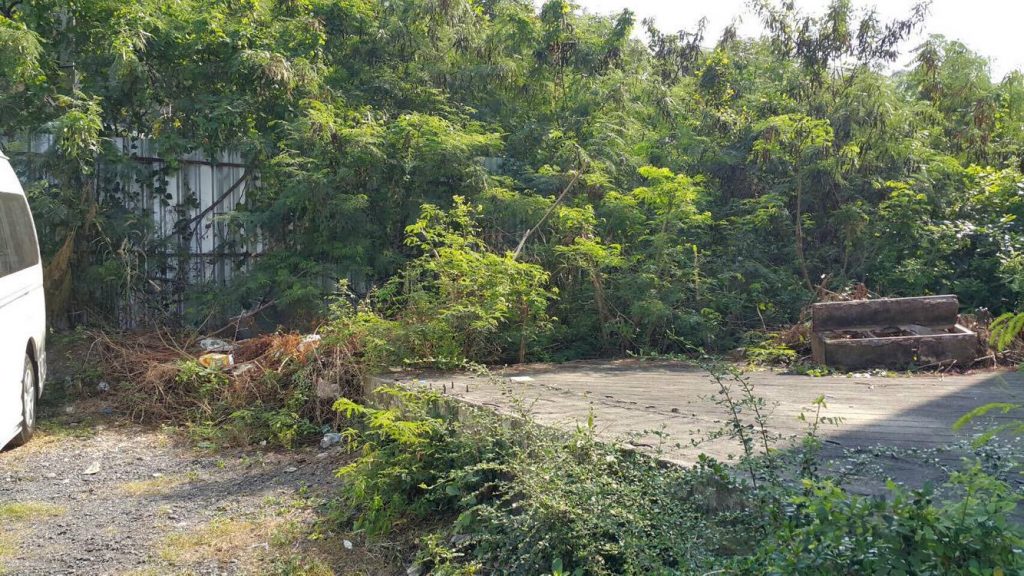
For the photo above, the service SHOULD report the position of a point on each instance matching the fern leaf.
(1004, 329)
(980, 411)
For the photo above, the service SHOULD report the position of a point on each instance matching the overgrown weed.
(159, 485)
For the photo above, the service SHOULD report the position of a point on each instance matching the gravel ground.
(94, 495)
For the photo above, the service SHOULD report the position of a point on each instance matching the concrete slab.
(664, 406)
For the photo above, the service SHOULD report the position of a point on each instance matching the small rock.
(215, 345)
(328, 389)
(414, 570)
(291, 469)
(93, 468)
(50, 475)
(103, 386)
(347, 544)
(243, 368)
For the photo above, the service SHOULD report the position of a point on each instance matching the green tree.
(790, 147)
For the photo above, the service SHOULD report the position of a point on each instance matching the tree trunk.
(524, 315)
(800, 236)
(603, 314)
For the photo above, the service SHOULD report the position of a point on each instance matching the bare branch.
(522, 243)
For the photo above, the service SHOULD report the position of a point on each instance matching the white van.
(22, 313)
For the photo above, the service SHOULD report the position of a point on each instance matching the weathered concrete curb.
(861, 314)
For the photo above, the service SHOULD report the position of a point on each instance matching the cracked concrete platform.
(662, 406)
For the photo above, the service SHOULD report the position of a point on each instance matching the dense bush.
(406, 454)
(521, 499)
(457, 301)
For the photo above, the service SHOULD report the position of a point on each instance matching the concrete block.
(894, 333)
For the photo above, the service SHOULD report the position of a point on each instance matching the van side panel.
(8, 179)
(22, 303)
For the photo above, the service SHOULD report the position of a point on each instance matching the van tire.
(29, 397)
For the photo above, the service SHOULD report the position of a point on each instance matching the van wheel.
(29, 396)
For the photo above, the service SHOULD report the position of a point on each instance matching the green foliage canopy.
(695, 191)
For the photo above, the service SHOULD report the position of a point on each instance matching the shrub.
(828, 531)
(593, 509)
(463, 292)
(770, 352)
(520, 499)
(413, 458)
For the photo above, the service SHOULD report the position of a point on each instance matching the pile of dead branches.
(157, 377)
(143, 369)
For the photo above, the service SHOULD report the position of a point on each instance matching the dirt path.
(95, 495)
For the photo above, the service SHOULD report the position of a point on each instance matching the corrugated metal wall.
(203, 191)
(189, 200)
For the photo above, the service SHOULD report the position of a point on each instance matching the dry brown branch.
(146, 373)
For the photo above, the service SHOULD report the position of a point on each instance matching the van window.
(18, 248)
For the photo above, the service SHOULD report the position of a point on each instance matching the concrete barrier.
(896, 333)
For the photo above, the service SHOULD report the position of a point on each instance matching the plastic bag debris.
(330, 439)
(216, 361)
(309, 342)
